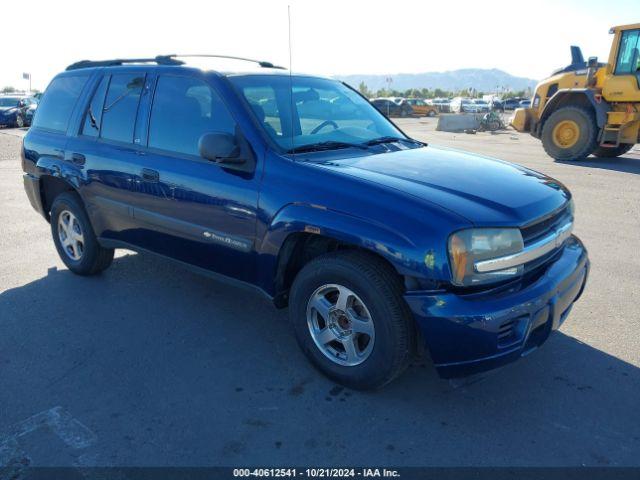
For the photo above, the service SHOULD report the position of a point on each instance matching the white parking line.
(70, 430)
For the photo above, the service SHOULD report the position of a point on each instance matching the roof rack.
(262, 63)
(162, 60)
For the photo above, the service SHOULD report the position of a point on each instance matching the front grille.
(543, 227)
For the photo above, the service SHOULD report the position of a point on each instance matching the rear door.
(107, 148)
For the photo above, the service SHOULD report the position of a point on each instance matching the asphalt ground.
(152, 365)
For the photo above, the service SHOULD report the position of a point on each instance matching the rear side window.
(121, 107)
(93, 116)
(54, 111)
(183, 110)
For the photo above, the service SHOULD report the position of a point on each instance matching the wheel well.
(50, 188)
(563, 100)
(298, 250)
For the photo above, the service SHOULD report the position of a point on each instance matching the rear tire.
(74, 238)
(604, 152)
(432, 113)
(373, 292)
(570, 133)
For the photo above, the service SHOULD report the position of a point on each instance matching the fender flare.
(600, 106)
(55, 167)
(311, 219)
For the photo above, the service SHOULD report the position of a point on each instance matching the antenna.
(292, 104)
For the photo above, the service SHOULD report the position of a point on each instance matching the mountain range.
(485, 80)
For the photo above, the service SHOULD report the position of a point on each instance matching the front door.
(195, 210)
(624, 84)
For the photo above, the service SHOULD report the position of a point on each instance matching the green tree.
(8, 89)
(364, 90)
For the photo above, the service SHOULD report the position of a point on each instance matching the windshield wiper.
(389, 139)
(328, 145)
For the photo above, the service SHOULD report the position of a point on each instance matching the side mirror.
(219, 147)
(231, 151)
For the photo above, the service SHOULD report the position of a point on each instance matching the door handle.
(78, 158)
(150, 175)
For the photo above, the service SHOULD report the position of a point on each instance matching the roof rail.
(262, 63)
(160, 60)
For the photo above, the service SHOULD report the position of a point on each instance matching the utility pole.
(389, 80)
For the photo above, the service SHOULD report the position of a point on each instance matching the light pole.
(389, 80)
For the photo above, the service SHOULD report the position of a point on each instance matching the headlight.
(467, 247)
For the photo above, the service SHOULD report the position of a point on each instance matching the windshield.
(324, 111)
(9, 101)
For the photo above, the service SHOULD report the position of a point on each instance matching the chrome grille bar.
(530, 252)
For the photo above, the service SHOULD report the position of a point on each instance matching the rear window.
(54, 111)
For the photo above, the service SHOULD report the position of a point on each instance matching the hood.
(483, 190)
(7, 109)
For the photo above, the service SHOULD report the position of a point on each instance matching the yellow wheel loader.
(589, 107)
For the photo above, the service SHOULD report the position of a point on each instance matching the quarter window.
(629, 53)
(121, 106)
(58, 101)
(183, 110)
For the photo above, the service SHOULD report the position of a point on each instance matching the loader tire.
(570, 133)
(605, 152)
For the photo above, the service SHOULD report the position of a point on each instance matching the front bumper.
(466, 334)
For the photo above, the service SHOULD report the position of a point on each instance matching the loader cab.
(623, 74)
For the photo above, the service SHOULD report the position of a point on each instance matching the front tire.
(604, 152)
(74, 238)
(570, 133)
(350, 319)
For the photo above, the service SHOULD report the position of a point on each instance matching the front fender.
(399, 250)
(600, 106)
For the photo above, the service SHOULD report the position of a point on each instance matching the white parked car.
(462, 105)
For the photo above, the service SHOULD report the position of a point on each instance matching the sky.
(329, 37)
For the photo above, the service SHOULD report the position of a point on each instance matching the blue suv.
(383, 248)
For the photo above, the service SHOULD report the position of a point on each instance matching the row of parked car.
(17, 110)
(405, 107)
(477, 105)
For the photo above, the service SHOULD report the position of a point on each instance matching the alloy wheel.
(340, 325)
(70, 235)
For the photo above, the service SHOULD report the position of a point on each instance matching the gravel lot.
(149, 364)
